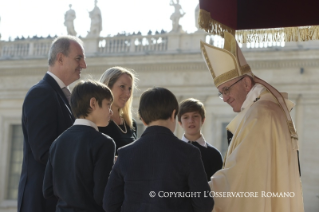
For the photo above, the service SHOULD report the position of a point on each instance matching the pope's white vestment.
(261, 160)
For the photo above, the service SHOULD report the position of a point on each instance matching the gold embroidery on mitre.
(207, 59)
(229, 75)
(245, 69)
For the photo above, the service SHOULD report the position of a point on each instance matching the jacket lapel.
(57, 89)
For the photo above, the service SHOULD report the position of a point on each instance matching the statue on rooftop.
(178, 13)
(68, 21)
(96, 21)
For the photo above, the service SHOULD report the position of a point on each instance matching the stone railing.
(134, 43)
(166, 43)
(122, 44)
(29, 48)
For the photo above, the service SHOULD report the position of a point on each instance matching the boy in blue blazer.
(158, 172)
(81, 158)
(191, 118)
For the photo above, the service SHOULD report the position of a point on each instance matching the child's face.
(104, 113)
(191, 122)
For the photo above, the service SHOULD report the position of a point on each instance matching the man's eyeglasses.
(226, 90)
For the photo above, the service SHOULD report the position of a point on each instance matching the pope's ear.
(248, 83)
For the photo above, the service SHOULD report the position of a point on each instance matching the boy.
(158, 172)
(191, 118)
(81, 158)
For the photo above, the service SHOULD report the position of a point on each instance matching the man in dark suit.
(46, 114)
(158, 172)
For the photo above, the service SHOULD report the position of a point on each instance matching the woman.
(122, 127)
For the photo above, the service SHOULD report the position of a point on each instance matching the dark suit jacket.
(158, 162)
(78, 167)
(211, 157)
(45, 115)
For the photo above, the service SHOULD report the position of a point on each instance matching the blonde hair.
(109, 77)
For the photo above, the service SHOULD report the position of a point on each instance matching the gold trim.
(226, 77)
(292, 128)
(245, 69)
(285, 34)
(211, 26)
(229, 75)
(207, 59)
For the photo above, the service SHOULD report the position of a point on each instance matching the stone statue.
(96, 22)
(68, 21)
(178, 13)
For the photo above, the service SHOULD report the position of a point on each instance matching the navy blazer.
(46, 113)
(211, 157)
(156, 163)
(78, 168)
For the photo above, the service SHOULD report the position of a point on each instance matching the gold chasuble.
(261, 169)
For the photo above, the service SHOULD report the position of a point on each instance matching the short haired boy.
(158, 164)
(191, 118)
(81, 158)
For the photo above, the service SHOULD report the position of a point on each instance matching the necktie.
(67, 94)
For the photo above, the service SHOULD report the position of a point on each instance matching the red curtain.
(262, 14)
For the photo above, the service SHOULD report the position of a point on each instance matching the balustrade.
(121, 44)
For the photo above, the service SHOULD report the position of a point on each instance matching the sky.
(46, 17)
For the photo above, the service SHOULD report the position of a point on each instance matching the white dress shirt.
(57, 79)
(200, 140)
(86, 122)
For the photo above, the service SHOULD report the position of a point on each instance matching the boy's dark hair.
(83, 92)
(191, 105)
(157, 104)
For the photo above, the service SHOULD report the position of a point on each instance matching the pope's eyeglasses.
(226, 91)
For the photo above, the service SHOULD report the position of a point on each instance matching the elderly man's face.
(236, 93)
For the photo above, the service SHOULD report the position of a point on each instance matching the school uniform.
(211, 157)
(78, 168)
(158, 162)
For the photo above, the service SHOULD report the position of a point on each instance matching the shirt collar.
(200, 140)
(86, 122)
(252, 95)
(57, 79)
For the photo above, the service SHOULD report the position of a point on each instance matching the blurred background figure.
(68, 21)
(96, 21)
(178, 13)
